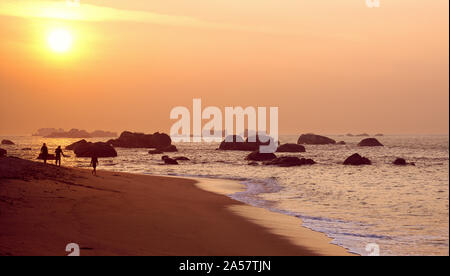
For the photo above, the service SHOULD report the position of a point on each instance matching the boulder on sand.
(313, 139)
(357, 160)
(370, 142)
(258, 156)
(402, 162)
(7, 142)
(98, 149)
(2, 152)
(291, 148)
(140, 140)
(289, 161)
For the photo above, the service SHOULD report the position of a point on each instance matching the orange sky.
(330, 66)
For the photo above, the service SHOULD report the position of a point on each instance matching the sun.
(60, 40)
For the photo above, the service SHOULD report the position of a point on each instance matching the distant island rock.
(87, 149)
(7, 142)
(47, 131)
(291, 148)
(160, 141)
(313, 139)
(289, 161)
(77, 133)
(370, 142)
(3, 152)
(357, 160)
(363, 135)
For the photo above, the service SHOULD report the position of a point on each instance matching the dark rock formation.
(313, 139)
(140, 140)
(341, 143)
(258, 156)
(47, 131)
(7, 142)
(402, 162)
(99, 149)
(289, 161)
(169, 161)
(181, 158)
(155, 151)
(49, 157)
(291, 148)
(2, 152)
(357, 160)
(370, 142)
(72, 146)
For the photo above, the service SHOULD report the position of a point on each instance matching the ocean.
(404, 210)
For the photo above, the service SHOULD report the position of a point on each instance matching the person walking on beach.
(94, 163)
(44, 153)
(58, 153)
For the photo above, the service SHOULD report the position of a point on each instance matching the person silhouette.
(58, 153)
(44, 153)
(94, 163)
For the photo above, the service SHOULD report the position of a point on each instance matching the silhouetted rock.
(236, 142)
(350, 135)
(26, 149)
(181, 158)
(370, 142)
(73, 133)
(313, 139)
(169, 161)
(363, 135)
(3, 152)
(341, 143)
(49, 157)
(357, 160)
(98, 149)
(258, 156)
(72, 146)
(155, 151)
(289, 161)
(7, 142)
(291, 148)
(103, 134)
(402, 162)
(140, 140)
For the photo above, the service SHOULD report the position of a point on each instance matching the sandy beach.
(43, 208)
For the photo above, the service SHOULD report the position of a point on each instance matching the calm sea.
(402, 209)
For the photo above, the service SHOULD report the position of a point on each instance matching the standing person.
(94, 163)
(44, 153)
(58, 153)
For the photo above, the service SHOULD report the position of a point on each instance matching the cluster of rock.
(77, 133)
(7, 142)
(270, 159)
(158, 141)
(173, 161)
(84, 148)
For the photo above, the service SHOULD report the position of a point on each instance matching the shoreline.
(45, 207)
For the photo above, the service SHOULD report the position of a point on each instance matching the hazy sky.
(330, 66)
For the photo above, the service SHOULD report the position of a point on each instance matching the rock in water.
(357, 160)
(98, 149)
(402, 162)
(313, 139)
(140, 140)
(258, 156)
(291, 148)
(155, 152)
(370, 142)
(72, 146)
(7, 142)
(169, 161)
(2, 152)
(341, 143)
(289, 161)
(181, 158)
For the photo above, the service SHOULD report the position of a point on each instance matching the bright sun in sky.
(60, 40)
